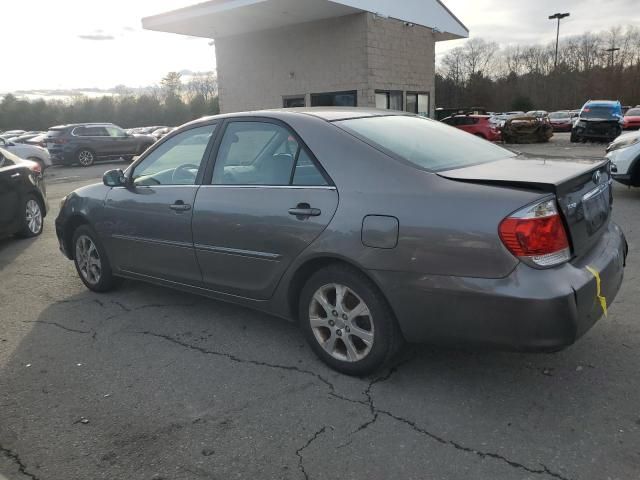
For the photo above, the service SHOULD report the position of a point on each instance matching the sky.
(100, 44)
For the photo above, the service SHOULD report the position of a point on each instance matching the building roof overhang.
(221, 18)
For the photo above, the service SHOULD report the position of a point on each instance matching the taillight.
(536, 235)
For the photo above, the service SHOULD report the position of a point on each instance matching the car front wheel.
(91, 261)
(31, 218)
(347, 322)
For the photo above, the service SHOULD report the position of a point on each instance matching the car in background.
(561, 121)
(22, 196)
(624, 154)
(84, 143)
(12, 133)
(25, 137)
(537, 113)
(482, 126)
(631, 119)
(366, 227)
(161, 132)
(598, 120)
(28, 152)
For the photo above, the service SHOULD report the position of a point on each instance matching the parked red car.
(631, 119)
(561, 121)
(478, 125)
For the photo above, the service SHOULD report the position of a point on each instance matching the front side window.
(261, 153)
(115, 132)
(425, 143)
(176, 161)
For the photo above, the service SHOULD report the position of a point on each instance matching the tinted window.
(176, 161)
(90, 132)
(425, 143)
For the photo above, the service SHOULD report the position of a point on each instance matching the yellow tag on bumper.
(599, 296)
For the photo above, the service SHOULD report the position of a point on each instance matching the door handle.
(304, 210)
(180, 206)
(15, 175)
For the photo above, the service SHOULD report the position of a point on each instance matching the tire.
(32, 217)
(87, 258)
(573, 138)
(85, 157)
(333, 330)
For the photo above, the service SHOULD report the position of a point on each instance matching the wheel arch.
(70, 226)
(305, 270)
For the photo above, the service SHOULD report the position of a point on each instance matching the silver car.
(369, 228)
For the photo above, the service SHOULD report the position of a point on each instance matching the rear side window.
(425, 143)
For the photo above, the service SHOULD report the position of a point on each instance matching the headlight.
(64, 199)
(624, 143)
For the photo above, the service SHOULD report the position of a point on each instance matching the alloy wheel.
(88, 260)
(341, 322)
(33, 216)
(85, 157)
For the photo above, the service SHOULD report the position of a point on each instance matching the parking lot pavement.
(560, 146)
(149, 383)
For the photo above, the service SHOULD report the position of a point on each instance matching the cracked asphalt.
(149, 383)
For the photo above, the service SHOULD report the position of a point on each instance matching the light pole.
(558, 16)
(612, 51)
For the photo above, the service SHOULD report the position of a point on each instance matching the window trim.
(205, 156)
(213, 156)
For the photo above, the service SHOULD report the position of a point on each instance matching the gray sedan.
(369, 228)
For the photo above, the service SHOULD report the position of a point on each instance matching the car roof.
(88, 124)
(330, 114)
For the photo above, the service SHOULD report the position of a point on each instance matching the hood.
(525, 171)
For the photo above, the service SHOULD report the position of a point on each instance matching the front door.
(121, 143)
(10, 185)
(267, 201)
(149, 222)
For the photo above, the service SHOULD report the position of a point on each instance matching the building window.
(293, 102)
(418, 103)
(335, 99)
(389, 100)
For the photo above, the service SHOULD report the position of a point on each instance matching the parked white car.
(28, 152)
(624, 153)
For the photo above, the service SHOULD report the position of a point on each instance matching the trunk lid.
(582, 189)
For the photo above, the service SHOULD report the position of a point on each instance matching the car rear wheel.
(32, 218)
(91, 261)
(85, 157)
(347, 322)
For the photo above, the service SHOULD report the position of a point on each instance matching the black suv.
(84, 143)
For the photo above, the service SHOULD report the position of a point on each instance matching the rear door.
(266, 201)
(149, 222)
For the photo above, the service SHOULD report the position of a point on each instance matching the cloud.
(96, 36)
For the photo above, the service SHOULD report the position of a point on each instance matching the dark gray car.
(84, 143)
(367, 227)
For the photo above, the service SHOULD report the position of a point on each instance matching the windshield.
(425, 143)
(598, 112)
(556, 115)
(633, 112)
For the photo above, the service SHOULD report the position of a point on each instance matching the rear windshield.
(633, 112)
(427, 144)
(556, 115)
(598, 112)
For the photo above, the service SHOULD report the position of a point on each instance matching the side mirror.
(114, 178)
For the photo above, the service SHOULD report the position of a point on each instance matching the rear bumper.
(528, 310)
